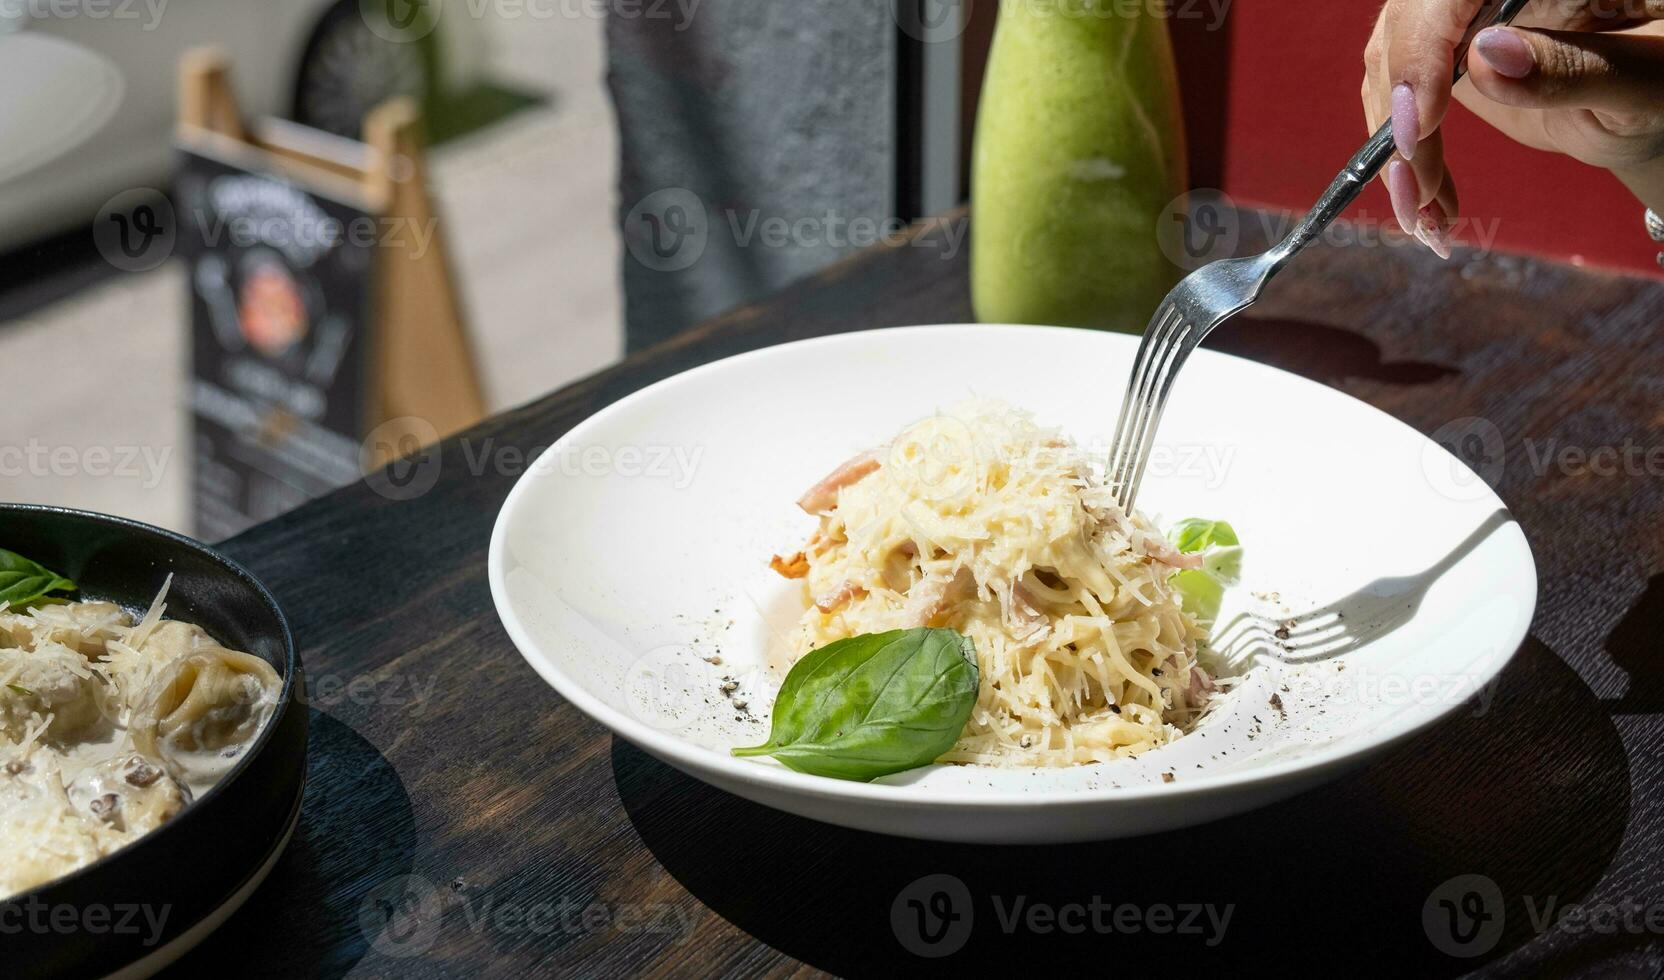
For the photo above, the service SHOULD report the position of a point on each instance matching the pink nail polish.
(1406, 121)
(1401, 187)
(1505, 51)
(1430, 229)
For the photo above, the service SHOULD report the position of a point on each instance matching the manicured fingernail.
(1406, 122)
(1430, 229)
(1505, 51)
(1401, 187)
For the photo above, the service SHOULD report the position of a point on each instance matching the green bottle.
(1079, 151)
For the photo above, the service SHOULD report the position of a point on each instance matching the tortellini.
(82, 626)
(204, 701)
(51, 681)
(109, 727)
(172, 639)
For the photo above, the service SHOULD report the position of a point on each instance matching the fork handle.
(1359, 171)
(1368, 161)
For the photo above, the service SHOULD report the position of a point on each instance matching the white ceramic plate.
(637, 547)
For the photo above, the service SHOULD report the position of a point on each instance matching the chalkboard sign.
(281, 279)
(327, 337)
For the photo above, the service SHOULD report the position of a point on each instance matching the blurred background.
(574, 150)
(522, 169)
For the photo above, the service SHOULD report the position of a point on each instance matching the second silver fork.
(1218, 291)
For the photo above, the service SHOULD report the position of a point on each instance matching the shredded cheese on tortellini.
(108, 728)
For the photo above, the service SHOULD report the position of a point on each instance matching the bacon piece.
(797, 566)
(1162, 550)
(823, 496)
(832, 601)
(932, 596)
(1201, 688)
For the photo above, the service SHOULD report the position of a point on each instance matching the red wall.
(1273, 112)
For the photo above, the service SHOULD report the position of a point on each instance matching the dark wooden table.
(462, 820)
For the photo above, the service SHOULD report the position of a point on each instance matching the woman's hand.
(1579, 77)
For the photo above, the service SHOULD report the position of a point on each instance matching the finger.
(1534, 69)
(1522, 125)
(1377, 89)
(1611, 15)
(1414, 178)
(1422, 36)
(1401, 188)
(1413, 184)
(1396, 176)
(1428, 167)
(1436, 220)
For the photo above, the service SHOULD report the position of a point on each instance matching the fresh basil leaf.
(23, 582)
(1200, 594)
(874, 704)
(1196, 534)
(1202, 590)
(1224, 564)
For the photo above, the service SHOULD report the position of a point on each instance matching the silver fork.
(1220, 290)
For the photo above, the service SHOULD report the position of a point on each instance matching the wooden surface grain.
(462, 820)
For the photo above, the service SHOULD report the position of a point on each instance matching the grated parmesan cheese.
(108, 728)
(982, 521)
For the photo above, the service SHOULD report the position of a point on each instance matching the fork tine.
(1161, 346)
(1180, 352)
(1140, 383)
(1140, 438)
(1136, 380)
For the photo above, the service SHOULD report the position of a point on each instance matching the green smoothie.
(1079, 150)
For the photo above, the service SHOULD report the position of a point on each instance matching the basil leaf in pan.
(24, 583)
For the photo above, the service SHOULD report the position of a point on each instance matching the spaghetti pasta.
(980, 520)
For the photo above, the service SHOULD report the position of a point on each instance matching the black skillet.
(138, 909)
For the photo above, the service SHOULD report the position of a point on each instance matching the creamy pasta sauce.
(110, 727)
